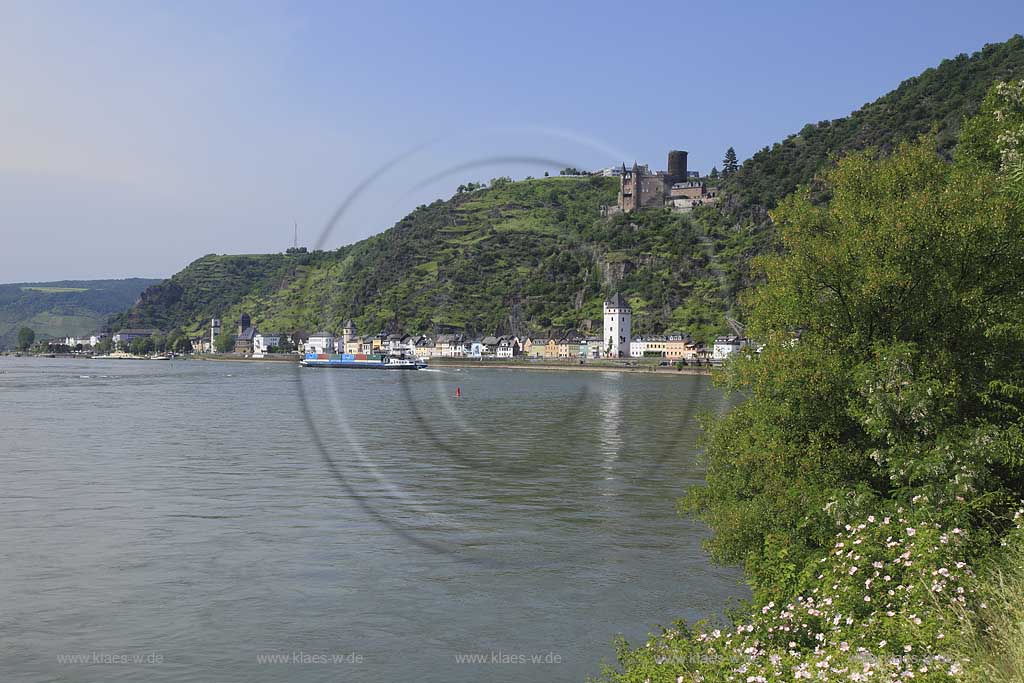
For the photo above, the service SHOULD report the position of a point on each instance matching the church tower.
(244, 323)
(618, 317)
(348, 331)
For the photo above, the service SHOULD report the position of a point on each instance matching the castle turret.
(677, 166)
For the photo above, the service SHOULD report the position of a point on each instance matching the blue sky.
(136, 137)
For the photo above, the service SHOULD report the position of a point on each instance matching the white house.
(97, 338)
(261, 342)
(124, 337)
(321, 342)
(451, 346)
(637, 346)
(618, 318)
(726, 346)
(476, 349)
(508, 347)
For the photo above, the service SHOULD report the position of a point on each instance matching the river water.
(219, 521)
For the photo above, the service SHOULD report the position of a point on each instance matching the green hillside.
(538, 256)
(939, 98)
(528, 256)
(68, 307)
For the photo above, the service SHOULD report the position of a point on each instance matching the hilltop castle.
(639, 187)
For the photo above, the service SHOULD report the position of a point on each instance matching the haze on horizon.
(137, 137)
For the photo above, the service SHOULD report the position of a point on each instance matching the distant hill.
(528, 256)
(57, 309)
(939, 98)
(538, 256)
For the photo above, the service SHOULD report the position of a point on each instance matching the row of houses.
(615, 342)
(678, 347)
(121, 339)
(87, 340)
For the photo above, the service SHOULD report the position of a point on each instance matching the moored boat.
(372, 361)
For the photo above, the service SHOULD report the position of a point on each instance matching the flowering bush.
(890, 390)
(882, 608)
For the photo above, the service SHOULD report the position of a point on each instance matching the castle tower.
(676, 167)
(348, 331)
(244, 323)
(214, 330)
(618, 318)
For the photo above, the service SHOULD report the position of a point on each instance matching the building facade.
(676, 189)
(321, 342)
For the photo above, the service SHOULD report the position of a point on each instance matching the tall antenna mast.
(296, 242)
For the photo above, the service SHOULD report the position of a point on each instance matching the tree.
(714, 172)
(178, 342)
(142, 346)
(26, 337)
(225, 343)
(730, 164)
(893, 358)
(103, 346)
(284, 344)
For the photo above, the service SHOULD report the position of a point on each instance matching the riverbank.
(591, 366)
(646, 368)
(639, 366)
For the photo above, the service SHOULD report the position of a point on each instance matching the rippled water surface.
(195, 521)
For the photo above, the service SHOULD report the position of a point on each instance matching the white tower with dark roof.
(618, 317)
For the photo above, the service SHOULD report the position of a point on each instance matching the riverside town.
(615, 342)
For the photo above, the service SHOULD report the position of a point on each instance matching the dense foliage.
(937, 99)
(26, 337)
(58, 309)
(885, 407)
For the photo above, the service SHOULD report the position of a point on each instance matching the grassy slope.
(526, 256)
(55, 309)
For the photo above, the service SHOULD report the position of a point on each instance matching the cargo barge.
(372, 361)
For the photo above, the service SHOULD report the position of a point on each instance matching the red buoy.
(458, 392)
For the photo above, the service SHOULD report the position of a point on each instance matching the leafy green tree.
(225, 343)
(995, 138)
(26, 337)
(142, 346)
(892, 367)
(179, 343)
(103, 347)
(714, 172)
(730, 164)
